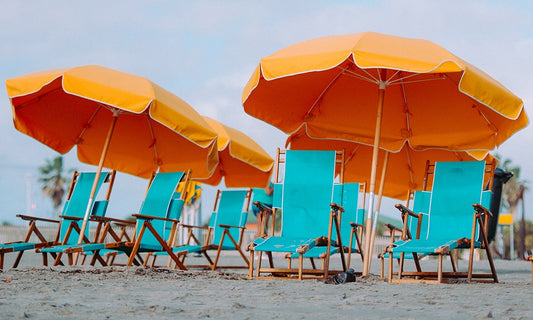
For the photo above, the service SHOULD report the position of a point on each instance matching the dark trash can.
(500, 178)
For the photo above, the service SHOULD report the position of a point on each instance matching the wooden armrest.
(355, 225)
(25, 217)
(114, 220)
(228, 226)
(142, 216)
(392, 228)
(124, 224)
(71, 218)
(481, 209)
(406, 210)
(196, 227)
(336, 207)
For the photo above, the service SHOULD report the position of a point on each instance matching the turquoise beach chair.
(306, 195)
(70, 219)
(224, 232)
(158, 215)
(74, 211)
(455, 221)
(351, 226)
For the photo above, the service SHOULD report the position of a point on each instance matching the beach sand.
(85, 292)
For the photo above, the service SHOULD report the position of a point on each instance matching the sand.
(85, 292)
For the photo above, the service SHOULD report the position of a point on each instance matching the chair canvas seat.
(285, 244)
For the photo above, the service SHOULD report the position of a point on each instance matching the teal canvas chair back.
(76, 206)
(421, 202)
(307, 193)
(232, 211)
(176, 206)
(158, 203)
(347, 195)
(456, 186)
(486, 198)
(277, 195)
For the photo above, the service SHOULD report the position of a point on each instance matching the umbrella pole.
(96, 178)
(377, 134)
(378, 203)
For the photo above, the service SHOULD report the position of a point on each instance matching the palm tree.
(53, 182)
(513, 194)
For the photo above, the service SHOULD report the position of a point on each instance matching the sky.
(205, 52)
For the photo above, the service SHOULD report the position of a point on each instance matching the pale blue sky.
(205, 51)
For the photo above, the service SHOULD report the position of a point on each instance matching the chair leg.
(382, 272)
(300, 266)
(96, 253)
(45, 259)
(112, 259)
(400, 265)
(17, 260)
(58, 259)
(136, 246)
(251, 265)
(258, 270)
(439, 270)
(454, 262)
(391, 263)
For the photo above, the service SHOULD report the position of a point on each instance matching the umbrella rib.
(323, 92)
(370, 78)
(402, 80)
(88, 124)
(153, 139)
(406, 109)
(410, 169)
(491, 125)
(352, 154)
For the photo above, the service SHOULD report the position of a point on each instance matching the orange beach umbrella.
(242, 162)
(385, 91)
(117, 120)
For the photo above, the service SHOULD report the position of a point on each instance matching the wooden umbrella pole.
(97, 177)
(377, 134)
(378, 203)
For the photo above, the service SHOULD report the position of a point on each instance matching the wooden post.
(377, 136)
(97, 177)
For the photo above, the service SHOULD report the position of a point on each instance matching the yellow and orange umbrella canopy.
(432, 98)
(243, 163)
(405, 169)
(147, 127)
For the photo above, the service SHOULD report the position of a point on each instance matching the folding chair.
(224, 232)
(76, 204)
(306, 195)
(456, 219)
